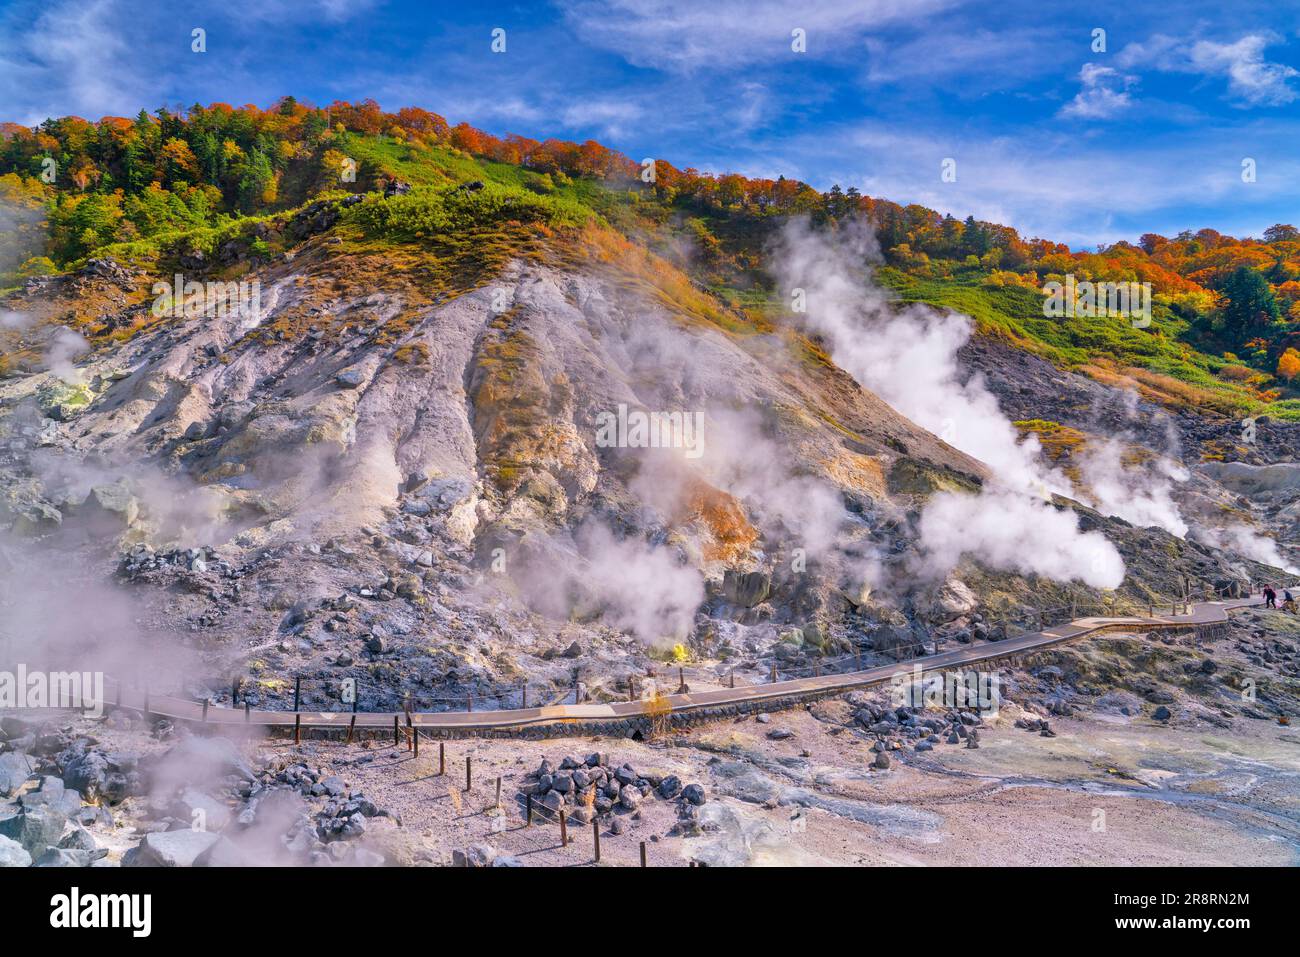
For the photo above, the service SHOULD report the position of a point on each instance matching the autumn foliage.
(122, 179)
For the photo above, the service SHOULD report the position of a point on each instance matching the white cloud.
(1005, 57)
(605, 117)
(72, 59)
(1104, 93)
(685, 35)
(1052, 183)
(1250, 77)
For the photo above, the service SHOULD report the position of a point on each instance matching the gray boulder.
(53, 794)
(746, 589)
(15, 769)
(63, 857)
(476, 855)
(225, 853)
(211, 813)
(78, 839)
(13, 854)
(35, 828)
(169, 849)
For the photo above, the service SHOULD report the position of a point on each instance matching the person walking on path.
(1270, 597)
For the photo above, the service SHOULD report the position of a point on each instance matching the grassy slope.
(1156, 360)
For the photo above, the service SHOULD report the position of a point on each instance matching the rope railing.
(640, 688)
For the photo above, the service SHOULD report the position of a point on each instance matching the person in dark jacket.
(1270, 597)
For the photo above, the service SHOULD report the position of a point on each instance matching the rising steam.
(909, 358)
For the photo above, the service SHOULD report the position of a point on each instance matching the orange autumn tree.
(1288, 365)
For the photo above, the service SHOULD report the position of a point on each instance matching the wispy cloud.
(1004, 57)
(685, 35)
(71, 57)
(611, 118)
(1251, 78)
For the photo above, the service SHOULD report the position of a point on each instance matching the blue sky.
(1048, 135)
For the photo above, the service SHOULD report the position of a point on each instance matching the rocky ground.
(1122, 749)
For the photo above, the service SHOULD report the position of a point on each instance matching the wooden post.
(352, 727)
(205, 710)
(733, 677)
(415, 739)
(397, 738)
(595, 836)
(528, 804)
(525, 704)
(297, 729)
(297, 692)
(469, 702)
(643, 853)
(564, 828)
(498, 804)
(248, 712)
(442, 758)
(774, 672)
(469, 772)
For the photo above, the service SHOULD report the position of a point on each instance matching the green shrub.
(426, 214)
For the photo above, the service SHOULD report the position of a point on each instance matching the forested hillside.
(1226, 328)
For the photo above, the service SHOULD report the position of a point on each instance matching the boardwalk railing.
(779, 690)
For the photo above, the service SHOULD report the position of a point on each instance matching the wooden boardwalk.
(450, 722)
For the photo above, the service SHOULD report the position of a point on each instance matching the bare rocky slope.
(368, 476)
(374, 477)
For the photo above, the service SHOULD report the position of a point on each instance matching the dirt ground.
(1097, 794)
(1106, 790)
